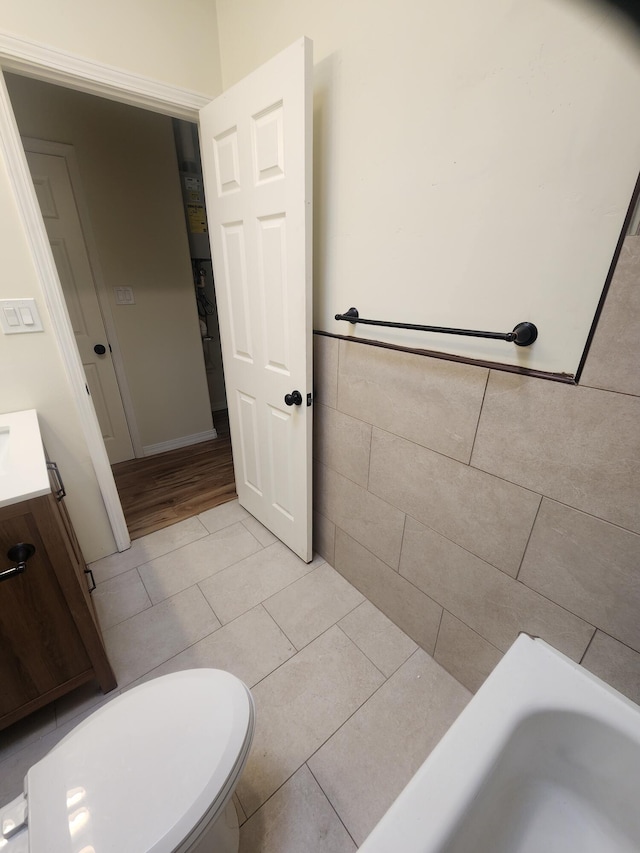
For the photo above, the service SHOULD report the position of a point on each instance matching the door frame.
(66, 69)
(68, 153)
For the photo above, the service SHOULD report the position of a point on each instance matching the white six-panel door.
(256, 152)
(55, 193)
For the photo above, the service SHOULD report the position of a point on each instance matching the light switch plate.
(124, 296)
(19, 316)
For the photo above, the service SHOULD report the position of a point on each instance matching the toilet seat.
(144, 772)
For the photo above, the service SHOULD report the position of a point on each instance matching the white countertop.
(23, 467)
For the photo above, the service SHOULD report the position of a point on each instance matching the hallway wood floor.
(159, 490)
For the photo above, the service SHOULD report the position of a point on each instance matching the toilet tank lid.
(142, 771)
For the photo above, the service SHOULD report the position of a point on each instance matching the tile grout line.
(344, 722)
(163, 554)
(524, 553)
(475, 433)
(196, 583)
(331, 805)
(584, 654)
(362, 651)
(368, 699)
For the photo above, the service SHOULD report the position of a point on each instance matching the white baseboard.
(175, 443)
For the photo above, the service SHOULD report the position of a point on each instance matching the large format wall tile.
(615, 663)
(496, 606)
(577, 445)
(325, 372)
(410, 609)
(484, 514)
(588, 566)
(324, 537)
(464, 653)
(374, 523)
(612, 362)
(342, 443)
(433, 402)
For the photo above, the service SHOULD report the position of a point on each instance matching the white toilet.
(152, 771)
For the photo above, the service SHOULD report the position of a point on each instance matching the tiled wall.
(471, 504)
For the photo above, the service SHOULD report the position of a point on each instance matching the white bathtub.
(544, 759)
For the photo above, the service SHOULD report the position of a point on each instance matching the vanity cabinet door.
(42, 654)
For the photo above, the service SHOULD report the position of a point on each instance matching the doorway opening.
(152, 293)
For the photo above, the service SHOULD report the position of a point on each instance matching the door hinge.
(309, 399)
(88, 392)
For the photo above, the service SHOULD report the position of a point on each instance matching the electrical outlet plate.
(19, 316)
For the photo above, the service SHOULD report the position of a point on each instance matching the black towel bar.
(523, 335)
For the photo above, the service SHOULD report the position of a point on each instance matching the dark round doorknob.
(99, 349)
(293, 399)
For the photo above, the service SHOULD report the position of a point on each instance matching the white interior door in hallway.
(256, 143)
(56, 197)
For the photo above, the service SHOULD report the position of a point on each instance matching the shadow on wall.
(630, 8)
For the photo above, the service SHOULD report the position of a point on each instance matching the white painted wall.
(176, 43)
(473, 161)
(172, 42)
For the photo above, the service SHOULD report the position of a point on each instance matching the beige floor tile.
(299, 706)
(312, 604)
(250, 647)
(14, 768)
(382, 642)
(297, 819)
(239, 810)
(85, 700)
(27, 730)
(157, 634)
(265, 537)
(148, 547)
(366, 764)
(196, 561)
(120, 598)
(234, 591)
(224, 515)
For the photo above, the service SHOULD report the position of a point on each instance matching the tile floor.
(347, 706)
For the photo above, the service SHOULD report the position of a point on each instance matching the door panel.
(57, 203)
(256, 154)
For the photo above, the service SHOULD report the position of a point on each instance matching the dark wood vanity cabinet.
(50, 641)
